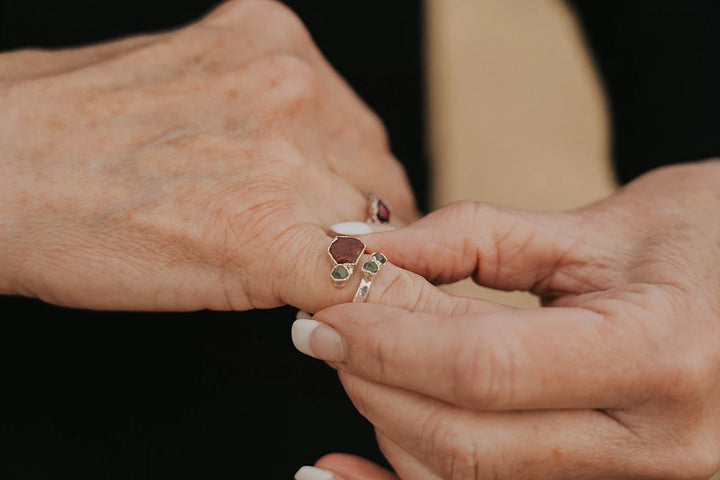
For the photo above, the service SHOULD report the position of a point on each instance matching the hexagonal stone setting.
(370, 267)
(346, 250)
(340, 272)
(379, 257)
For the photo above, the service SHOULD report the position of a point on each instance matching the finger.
(505, 359)
(290, 212)
(303, 280)
(455, 443)
(545, 253)
(352, 467)
(302, 274)
(406, 466)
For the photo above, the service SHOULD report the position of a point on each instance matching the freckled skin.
(185, 170)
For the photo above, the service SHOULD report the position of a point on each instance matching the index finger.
(311, 287)
(502, 360)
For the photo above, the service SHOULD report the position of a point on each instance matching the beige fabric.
(516, 111)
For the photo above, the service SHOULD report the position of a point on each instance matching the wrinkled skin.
(617, 375)
(191, 169)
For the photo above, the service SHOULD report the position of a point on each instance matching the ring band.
(370, 268)
(378, 211)
(344, 253)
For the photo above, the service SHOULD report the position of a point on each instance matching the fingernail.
(318, 340)
(301, 314)
(314, 473)
(360, 228)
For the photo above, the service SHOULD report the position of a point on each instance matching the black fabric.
(107, 395)
(47, 23)
(660, 62)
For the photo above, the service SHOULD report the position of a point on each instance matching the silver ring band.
(370, 269)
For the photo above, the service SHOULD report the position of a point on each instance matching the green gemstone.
(340, 272)
(370, 267)
(379, 257)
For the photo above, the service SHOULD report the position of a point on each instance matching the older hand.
(184, 170)
(616, 376)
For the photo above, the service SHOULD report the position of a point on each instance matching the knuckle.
(364, 133)
(462, 462)
(463, 207)
(396, 287)
(225, 12)
(246, 233)
(698, 459)
(693, 374)
(468, 212)
(291, 67)
(690, 374)
(359, 392)
(454, 447)
(285, 25)
(232, 10)
(275, 13)
(291, 81)
(252, 219)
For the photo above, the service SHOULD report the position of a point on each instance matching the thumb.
(500, 248)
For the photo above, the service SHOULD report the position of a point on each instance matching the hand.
(616, 376)
(190, 169)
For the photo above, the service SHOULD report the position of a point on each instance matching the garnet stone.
(344, 250)
(383, 212)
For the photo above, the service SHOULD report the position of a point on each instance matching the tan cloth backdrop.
(516, 112)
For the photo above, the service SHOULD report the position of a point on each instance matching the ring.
(370, 268)
(344, 253)
(378, 211)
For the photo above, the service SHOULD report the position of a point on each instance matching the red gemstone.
(346, 250)
(383, 212)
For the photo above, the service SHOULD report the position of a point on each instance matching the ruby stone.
(346, 250)
(383, 212)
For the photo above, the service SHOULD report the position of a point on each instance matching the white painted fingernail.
(314, 473)
(360, 228)
(318, 340)
(301, 314)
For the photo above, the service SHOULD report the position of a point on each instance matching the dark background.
(660, 60)
(107, 395)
